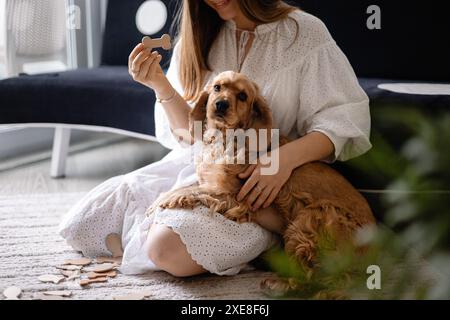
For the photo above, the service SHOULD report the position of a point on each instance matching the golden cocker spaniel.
(316, 198)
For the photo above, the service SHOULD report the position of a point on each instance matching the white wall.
(2, 20)
(2, 37)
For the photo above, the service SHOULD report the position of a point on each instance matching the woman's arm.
(177, 111)
(144, 67)
(314, 146)
(261, 190)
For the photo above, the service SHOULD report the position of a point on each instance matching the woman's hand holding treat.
(144, 67)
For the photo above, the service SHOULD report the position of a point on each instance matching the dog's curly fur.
(315, 200)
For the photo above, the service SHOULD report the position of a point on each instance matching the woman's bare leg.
(270, 219)
(169, 253)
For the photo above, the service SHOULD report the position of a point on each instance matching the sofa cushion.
(105, 96)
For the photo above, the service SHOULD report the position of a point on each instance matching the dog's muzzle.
(222, 107)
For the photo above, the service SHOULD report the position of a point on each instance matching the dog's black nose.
(222, 106)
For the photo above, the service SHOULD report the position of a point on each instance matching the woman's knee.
(159, 252)
(168, 252)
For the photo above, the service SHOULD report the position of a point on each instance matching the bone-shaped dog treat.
(163, 42)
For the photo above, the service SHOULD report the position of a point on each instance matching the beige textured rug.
(30, 247)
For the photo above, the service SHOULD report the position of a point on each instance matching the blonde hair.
(198, 27)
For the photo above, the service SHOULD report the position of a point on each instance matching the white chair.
(36, 35)
(37, 40)
(2, 38)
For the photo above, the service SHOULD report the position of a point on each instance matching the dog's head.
(232, 101)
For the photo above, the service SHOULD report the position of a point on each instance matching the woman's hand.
(144, 67)
(261, 190)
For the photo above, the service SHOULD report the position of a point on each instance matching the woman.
(316, 101)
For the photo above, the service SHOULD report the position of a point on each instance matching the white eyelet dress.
(310, 86)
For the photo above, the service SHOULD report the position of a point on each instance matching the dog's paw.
(169, 205)
(164, 205)
(276, 287)
(238, 214)
(244, 219)
(235, 218)
(177, 202)
(279, 288)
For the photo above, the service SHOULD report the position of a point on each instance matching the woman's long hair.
(198, 27)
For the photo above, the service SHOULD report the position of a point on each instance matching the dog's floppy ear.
(198, 114)
(262, 115)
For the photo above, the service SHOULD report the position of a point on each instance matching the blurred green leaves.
(411, 156)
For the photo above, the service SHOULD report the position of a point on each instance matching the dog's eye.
(242, 96)
(217, 88)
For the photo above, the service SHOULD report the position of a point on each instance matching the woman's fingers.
(247, 172)
(139, 60)
(153, 67)
(262, 198)
(146, 65)
(248, 186)
(271, 198)
(254, 194)
(134, 53)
